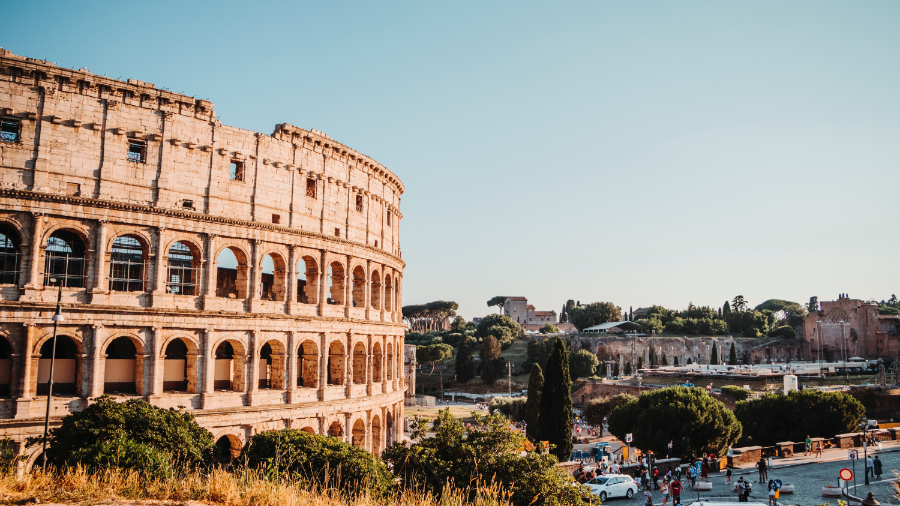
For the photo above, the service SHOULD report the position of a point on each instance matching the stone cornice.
(187, 215)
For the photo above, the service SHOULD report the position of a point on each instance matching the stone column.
(291, 367)
(348, 288)
(348, 429)
(367, 441)
(37, 232)
(27, 386)
(157, 365)
(370, 366)
(397, 363)
(208, 368)
(98, 362)
(253, 359)
(101, 283)
(348, 366)
(209, 273)
(323, 365)
(323, 284)
(368, 296)
(290, 298)
(381, 292)
(159, 267)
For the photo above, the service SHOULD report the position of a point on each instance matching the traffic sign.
(846, 474)
(628, 438)
(777, 483)
(853, 454)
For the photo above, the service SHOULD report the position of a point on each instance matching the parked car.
(613, 485)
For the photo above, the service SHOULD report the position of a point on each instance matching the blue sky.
(634, 152)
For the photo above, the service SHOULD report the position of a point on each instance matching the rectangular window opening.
(276, 218)
(137, 151)
(337, 232)
(9, 130)
(237, 171)
(187, 204)
(311, 188)
(376, 243)
(359, 203)
(389, 218)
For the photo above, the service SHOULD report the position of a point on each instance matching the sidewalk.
(830, 455)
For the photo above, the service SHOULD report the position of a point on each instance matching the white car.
(613, 485)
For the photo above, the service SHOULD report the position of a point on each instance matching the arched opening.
(175, 376)
(359, 434)
(65, 260)
(336, 430)
(359, 364)
(336, 284)
(376, 363)
(271, 366)
(336, 363)
(5, 367)
(390, 361)
(231, 274)
(388, 304)
(230, 367)
(10, 251)
(359, 287)
(124, 372)
(126, 265)
(227, 449)
(184, 270)
(376, 290)
(65, 368)
(376, 435)
(307, 281)
(308, 362)
(309, 430)
(397, 294)
(271, 285)
(389, 425)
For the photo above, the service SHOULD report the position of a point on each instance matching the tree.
(651, 324)
(432, 354)
(537, 353)
(735, 392)
(583, 364)
(689, 362)
(628, 369)
(594, 314)
(485, 454)
(490, 358)
(497, 301)
(597, 409)
(695, 422)
(739, 304)
(726, 308)
(533, 404)
(813, 305)
(549, 328)
(458, 325)
(675, 360)
(555, 422)
(663, 361)
(501, 327)
(173, 432)
(732, 355)
(465, 363)
(714, 355)
(319, 461)
(615, 369)
(511, 407)
(784, 332)
(810, 412)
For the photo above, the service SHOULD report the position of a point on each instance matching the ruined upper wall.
(76, 129)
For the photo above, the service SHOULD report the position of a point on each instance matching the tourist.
(808, 446)
(728, 470)
(692, 474)
(818, 449)
(771, 489)
(876, 466)
(664, 490)
(675, 488)
(648, 498)
(704, 468)
(669, 451)
(762, 467)
(743, 489)
(870, 467)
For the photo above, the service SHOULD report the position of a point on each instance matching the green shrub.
(319, 460)
(777, 417)
(735, 392)
(513, 408)
(123, 454)
(597, 409)
(784, 332)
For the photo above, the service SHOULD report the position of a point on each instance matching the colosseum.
(253, 279)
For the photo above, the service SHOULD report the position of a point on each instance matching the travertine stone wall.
(325, 356)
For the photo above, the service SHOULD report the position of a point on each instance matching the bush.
(583, 364)
(318, 460)
(784, 332)
(175, 433)
(777, 417)
(123, 454)
(512, 408)
(735, 392)
(599, 408)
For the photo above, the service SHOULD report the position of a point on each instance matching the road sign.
(628, 438)
(854, 454)
(777, 483)
(846, 474)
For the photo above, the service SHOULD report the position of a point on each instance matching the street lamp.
(58, 317)
(865, 428)
(819, 361)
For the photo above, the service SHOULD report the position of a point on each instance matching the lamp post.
(509, 378)
(58, 317)
(865, 428)
(819, 361)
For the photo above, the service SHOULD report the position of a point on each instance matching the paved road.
(808, 480)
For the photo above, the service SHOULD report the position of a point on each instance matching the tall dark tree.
(628, 369)
(630, 313)
(813, 304)
(533, 403)
(675, 360)
(555, 422)
(615, 369)
(490, 358)
(562, 315)
(732, 356)
(497, 301)
(714, 356)
(739, 303)
(465, 363)
(663, 361)
(726, 308)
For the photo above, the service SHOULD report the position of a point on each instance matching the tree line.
(430, 316)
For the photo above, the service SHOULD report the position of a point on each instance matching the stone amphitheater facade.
(253, 279)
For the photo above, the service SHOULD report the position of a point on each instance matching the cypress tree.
(640, 364)
(664, 361)
(690, 361)
(555, 422)
(732, 356)
(675, 360)
(601, 370)
(714, 356)
(726, 308)
(465, 365)
(533, 402)
(490, 355)
(628, 369)
(615, 369)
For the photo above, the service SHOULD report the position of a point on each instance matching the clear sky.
(634, 152)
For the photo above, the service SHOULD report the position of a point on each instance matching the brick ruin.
(254, 279)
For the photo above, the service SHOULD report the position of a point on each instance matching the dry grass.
(240, 488)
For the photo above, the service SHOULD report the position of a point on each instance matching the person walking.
(762, 467)
(676, 488)
(692, 473)
(664, 490)
(876, 466)
(648, 498)
(808, 446)
(728, 470)
(704, 468)
(771, 489)
(870, 467)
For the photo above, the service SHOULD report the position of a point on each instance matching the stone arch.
(184, 267)
(389, 426)
(123, 365)
(358, 435)
(336, 282)
(308, 364)
(10, 253)
(377, 357)
(359, 286)
(180, 364)
(231, 282)
(336, 363)
(271, 365)
(127, 254)
(336, 429)
(68, 369)
(388, 292)
(230, 358)
(390, 361)
(376, 290)
(307, 280)
(272, 285)
(228, 448)
(376, 435)
(359, 363)
(66, 257)
(309, 430)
